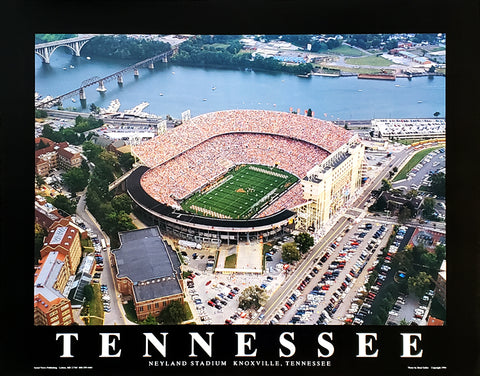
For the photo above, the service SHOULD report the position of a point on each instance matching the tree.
(252, 297)
(404, 215)
(437, 185)
(411, 194)
(126, 161)
(76, 179)
(290, 253)
(39, 181)
(304, 241)
(122, 202)
(63, 203)
(428, 207)
(95, 109)
(419, 284)
(40, 234)
(386, 185)
(91, 151)
(173, 314)
(440, 253)
(150, 320)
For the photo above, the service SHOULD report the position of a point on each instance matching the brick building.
(148, 271)
(55, 155)
(64, 238)
(51, 277)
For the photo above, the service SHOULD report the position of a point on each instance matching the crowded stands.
(203, 149)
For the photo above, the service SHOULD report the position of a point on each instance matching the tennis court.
(241, 193)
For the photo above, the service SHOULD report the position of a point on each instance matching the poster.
(181, 349)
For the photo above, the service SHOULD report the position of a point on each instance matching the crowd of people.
(198, 129)
(202, 149)
(199, 166)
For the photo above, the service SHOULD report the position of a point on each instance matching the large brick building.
(55, 155)
(65, 239)
(51, 277)
(148, 271)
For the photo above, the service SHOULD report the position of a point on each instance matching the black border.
(457, 342)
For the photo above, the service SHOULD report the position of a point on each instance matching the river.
(172, 89)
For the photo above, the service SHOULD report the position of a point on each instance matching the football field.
(241, 193)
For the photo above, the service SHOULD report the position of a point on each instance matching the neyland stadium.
(239, 175)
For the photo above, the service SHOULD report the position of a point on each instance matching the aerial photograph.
(254, 179)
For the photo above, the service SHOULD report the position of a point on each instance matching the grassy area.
(231, 261)
(130, 311)
(188, 311)
(241, 193)
(376, 61)
(414, 160)
(96, 307)
(346, 51)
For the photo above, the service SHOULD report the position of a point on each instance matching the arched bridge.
(45, 50)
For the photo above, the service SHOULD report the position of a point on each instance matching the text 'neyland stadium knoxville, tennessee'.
(200, 158)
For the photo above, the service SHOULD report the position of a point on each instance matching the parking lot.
(335, 278)
(214, 298)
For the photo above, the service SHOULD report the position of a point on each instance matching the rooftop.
(152, 265)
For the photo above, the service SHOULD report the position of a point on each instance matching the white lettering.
(409, 344)
(363, 345)
(106, 345)
(207, 347)
(244, 345)
(67, 343)
(325, 344)
(287, 344)
(161, 347)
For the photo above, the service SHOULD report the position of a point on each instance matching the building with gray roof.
(148, 271)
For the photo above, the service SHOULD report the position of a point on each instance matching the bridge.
(45, 50)
(114, 76)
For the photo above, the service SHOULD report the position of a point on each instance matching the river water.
(183, 88)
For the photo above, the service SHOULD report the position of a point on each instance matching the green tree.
(386, 185)
(404, 215)
(428, 207)
(91, 151)
(39, 181)
(419, 284)
(63, 203)
(76, 179)
(40, 234)
(304, 241)
(252, 297)
(173, 314)
(438, 184)
(440, 254)
(411, 194)
(126, 161)
(122, 202)
(290, 253)
(150, 320)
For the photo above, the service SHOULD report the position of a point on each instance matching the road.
(116, 316)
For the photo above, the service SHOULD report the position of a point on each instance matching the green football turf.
(239, 194)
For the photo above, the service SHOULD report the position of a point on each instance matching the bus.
(104, 246)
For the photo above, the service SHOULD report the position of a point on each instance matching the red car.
(206, 284)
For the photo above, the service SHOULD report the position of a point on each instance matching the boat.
(213, 87)
(88, 57)
(204, 99)
(161, 94)
(397, 85)
(359, 90)
(419, 101)
(73, 100)
(173, 72)
(71, 67)
(64, 68)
